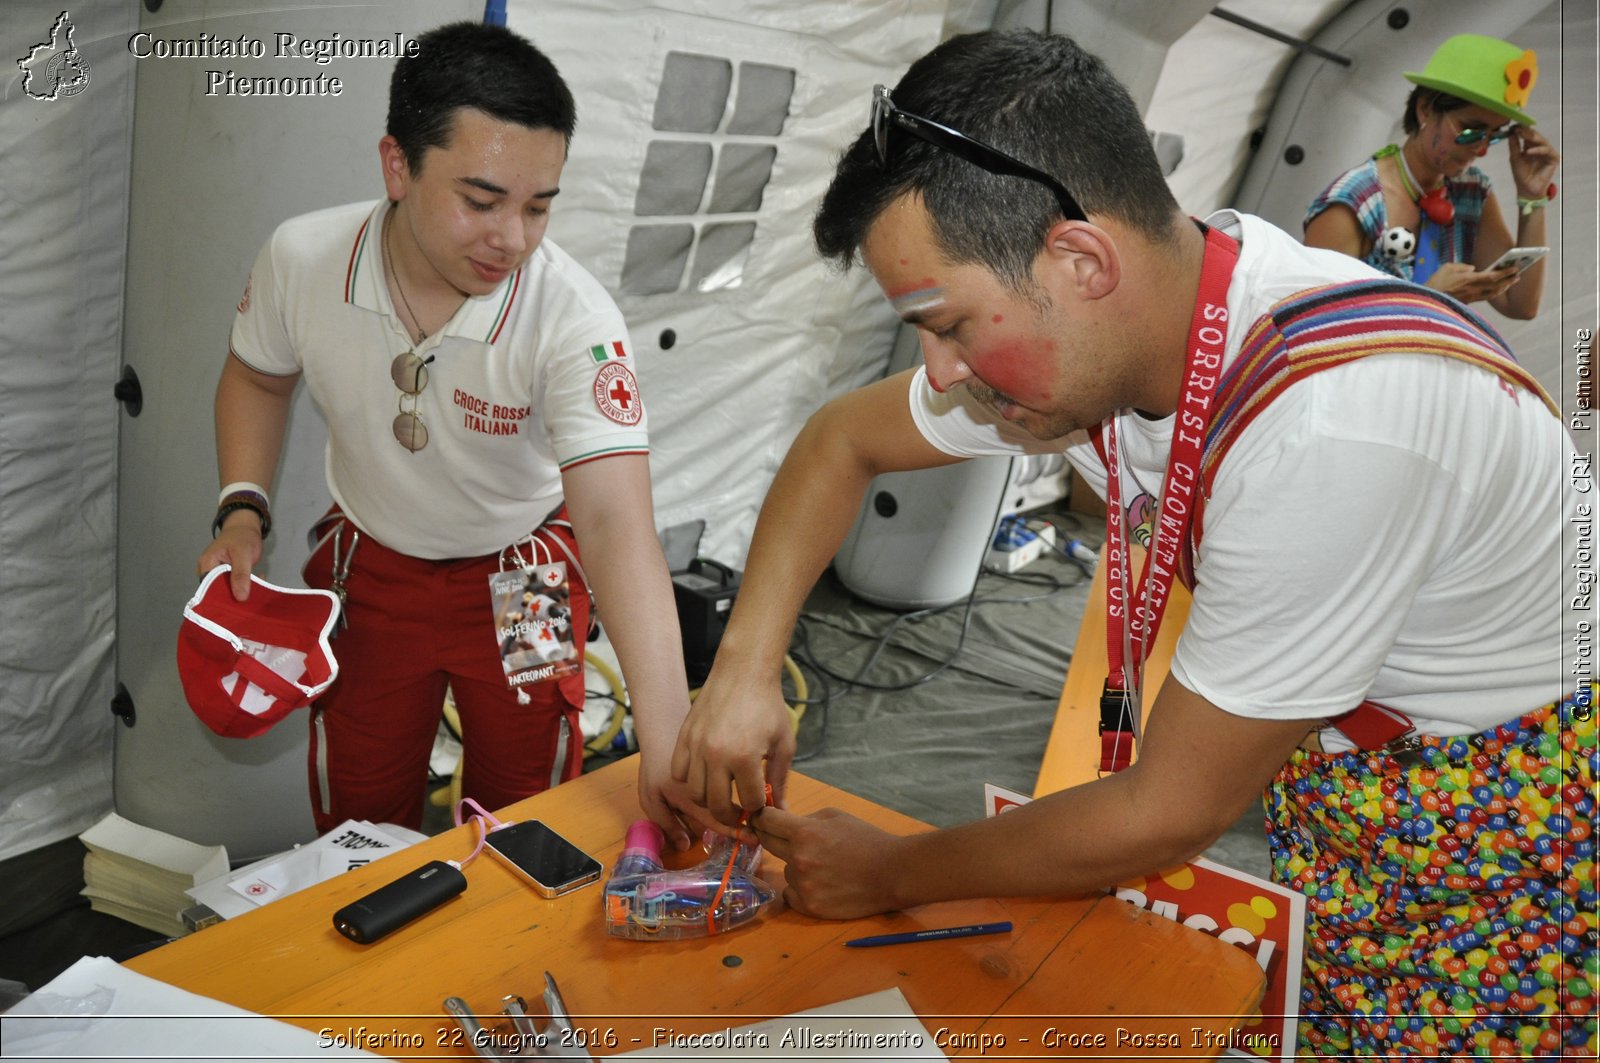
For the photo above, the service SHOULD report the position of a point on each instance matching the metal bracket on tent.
(1280, 37)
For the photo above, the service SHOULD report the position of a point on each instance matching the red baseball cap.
(246, 665)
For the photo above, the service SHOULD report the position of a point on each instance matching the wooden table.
(1072, 755)
(1080, 968)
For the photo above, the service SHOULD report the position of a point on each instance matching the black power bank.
(393, 906)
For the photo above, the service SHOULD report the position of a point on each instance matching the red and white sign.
(1263, 918)
(617, 394)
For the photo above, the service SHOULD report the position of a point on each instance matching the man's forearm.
(1077, 841)
(633, 590)
(810, 507)
(808, 510)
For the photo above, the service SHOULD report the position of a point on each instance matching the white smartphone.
(1520, 257)
(550, 863)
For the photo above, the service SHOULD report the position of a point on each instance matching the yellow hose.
(620, 706)
(450, 796)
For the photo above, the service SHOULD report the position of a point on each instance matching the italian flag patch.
(600, 352)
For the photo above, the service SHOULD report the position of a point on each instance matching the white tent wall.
(63, 213)
(740, 342)
(212, 176)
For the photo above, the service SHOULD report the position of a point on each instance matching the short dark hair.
(473, 64)
(1439, 102)
(1036, 96)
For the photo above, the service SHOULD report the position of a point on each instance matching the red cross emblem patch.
(617, 394)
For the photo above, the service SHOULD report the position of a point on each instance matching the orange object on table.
(1071, 971)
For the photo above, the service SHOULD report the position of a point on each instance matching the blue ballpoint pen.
(939, 934)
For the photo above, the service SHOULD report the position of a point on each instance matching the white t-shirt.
(1387, 529)
(529, 380)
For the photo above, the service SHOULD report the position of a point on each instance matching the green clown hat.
(1494, 74)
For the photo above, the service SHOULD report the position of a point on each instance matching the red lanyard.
(1131, 626)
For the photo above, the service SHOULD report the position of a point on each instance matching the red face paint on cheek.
(997, 319)
(1017, 369)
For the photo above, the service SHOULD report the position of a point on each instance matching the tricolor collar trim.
(481, 318)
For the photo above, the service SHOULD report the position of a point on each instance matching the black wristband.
(225, 510)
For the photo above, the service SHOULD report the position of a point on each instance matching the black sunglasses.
(885, 113)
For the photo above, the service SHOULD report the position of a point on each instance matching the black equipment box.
(704, 593)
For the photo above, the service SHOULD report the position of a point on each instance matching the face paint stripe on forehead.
(916, 301)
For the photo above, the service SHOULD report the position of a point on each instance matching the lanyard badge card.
(533, 621)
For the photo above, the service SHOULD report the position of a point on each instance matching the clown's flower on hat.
(1521, 73)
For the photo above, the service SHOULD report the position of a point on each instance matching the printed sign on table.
(1263, 918)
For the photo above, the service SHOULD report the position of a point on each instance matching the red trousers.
(416, 627)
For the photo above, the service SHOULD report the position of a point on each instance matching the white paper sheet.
(352, 844)
(100, 1010)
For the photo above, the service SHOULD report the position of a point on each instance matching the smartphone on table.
(547, 861)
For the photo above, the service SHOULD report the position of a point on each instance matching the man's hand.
(670, 806)
(1460, 281)
(731, 729)
(237, 544)
(838, 866)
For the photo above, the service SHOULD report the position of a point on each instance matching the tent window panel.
(693, 93)
(742, 175)
(719, 263)
(763, 103)
(655, 258)
(673, 180)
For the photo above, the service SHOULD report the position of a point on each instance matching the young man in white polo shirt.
(478, 389)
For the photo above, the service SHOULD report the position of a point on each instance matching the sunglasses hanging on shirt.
(409, 371)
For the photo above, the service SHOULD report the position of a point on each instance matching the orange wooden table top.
(1073, 972)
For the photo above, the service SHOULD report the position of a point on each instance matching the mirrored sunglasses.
(1478, 134)
(885, 114)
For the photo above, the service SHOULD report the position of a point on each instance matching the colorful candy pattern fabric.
(1451, 892)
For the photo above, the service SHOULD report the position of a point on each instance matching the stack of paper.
(352, 844)
(140, 875)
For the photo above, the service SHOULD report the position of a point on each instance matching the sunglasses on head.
(409, 371)
(885, 114)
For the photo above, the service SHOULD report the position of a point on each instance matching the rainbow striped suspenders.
(1318, 329)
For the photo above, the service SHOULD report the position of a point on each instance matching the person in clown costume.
(1362, 489)
(1469, 97)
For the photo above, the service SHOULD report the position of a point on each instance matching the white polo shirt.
(532, 379)
(1388, 529)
